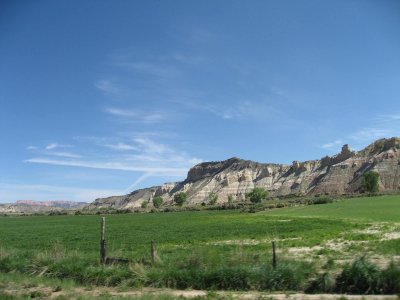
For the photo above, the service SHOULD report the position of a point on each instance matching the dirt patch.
(391, 236)
(382, 231)
(301, 251)
(251, 241)
(74, 293)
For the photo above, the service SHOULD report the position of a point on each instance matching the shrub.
(325, 283)
(180, 198)
(288, 275)
(144, 204)
(230, 199)
(257, 195)
(390, 279)
(158, 201)
(370, 182)
(320, 200)
(361, 277)
(213, 197)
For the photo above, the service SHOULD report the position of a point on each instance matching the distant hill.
(339, 174)
(30, 206)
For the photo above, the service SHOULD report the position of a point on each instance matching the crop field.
(213, 250)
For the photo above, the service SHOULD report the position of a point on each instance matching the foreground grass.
(226, 250)
(130, 234)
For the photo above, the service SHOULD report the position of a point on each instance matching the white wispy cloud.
(11, 192)
(381, 126)
(112, 165)
(370, 134)
(389, 117)
(139, 116)
(333, 145)
(137, 182)
(108, 87)
(56, 145)
(139, 154)
(31, 148)
(65, 154)
(157, 69)
(121, 147)
(245, 109)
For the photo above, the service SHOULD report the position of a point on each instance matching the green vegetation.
(213, 197)
(214, 250)
(359, 277)
(157, 201)
(378, 208)
(257, 195)
(370, 182)
(180, 198)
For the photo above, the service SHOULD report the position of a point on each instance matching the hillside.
(30, 206)
(339, 174)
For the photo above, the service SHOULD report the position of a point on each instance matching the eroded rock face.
(339, 174)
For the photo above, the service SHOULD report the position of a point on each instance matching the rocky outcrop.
(235, 177)
(55, 203)
(30, 206)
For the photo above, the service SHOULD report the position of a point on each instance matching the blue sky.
(100, 98)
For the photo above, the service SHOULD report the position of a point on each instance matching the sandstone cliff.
(339, 174)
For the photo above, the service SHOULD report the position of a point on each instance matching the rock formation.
(30, 206)
(339, 174)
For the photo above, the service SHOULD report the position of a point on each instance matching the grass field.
(206, 249)
(380, 208)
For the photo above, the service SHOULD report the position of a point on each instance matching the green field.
(380, 209)
(228, 250)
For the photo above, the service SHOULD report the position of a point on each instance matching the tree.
(370, 182)
(257, 195)
(157, 201)
(180, 198)
(144, 204)
(213, 197)
(230, 199)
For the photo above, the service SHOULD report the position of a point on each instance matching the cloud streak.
(108, 87)
(333, 145)
(65, 154)
(139, 116)
(370, 134)
(13, 192)
(121, 147)
(240, 110)
(56, 145)
(382, 126)
(122, 166)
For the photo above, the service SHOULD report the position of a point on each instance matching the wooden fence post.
(152, 252)
(103, 252)
(273, 255)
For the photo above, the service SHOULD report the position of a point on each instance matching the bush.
(320, 200)
(390, 279)
(325, 283)
(157, 201)
(289, 275)
(361, 277)
(144, 204)
(213, 197)
(180, 198)
(370, 182)
(257, 195)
